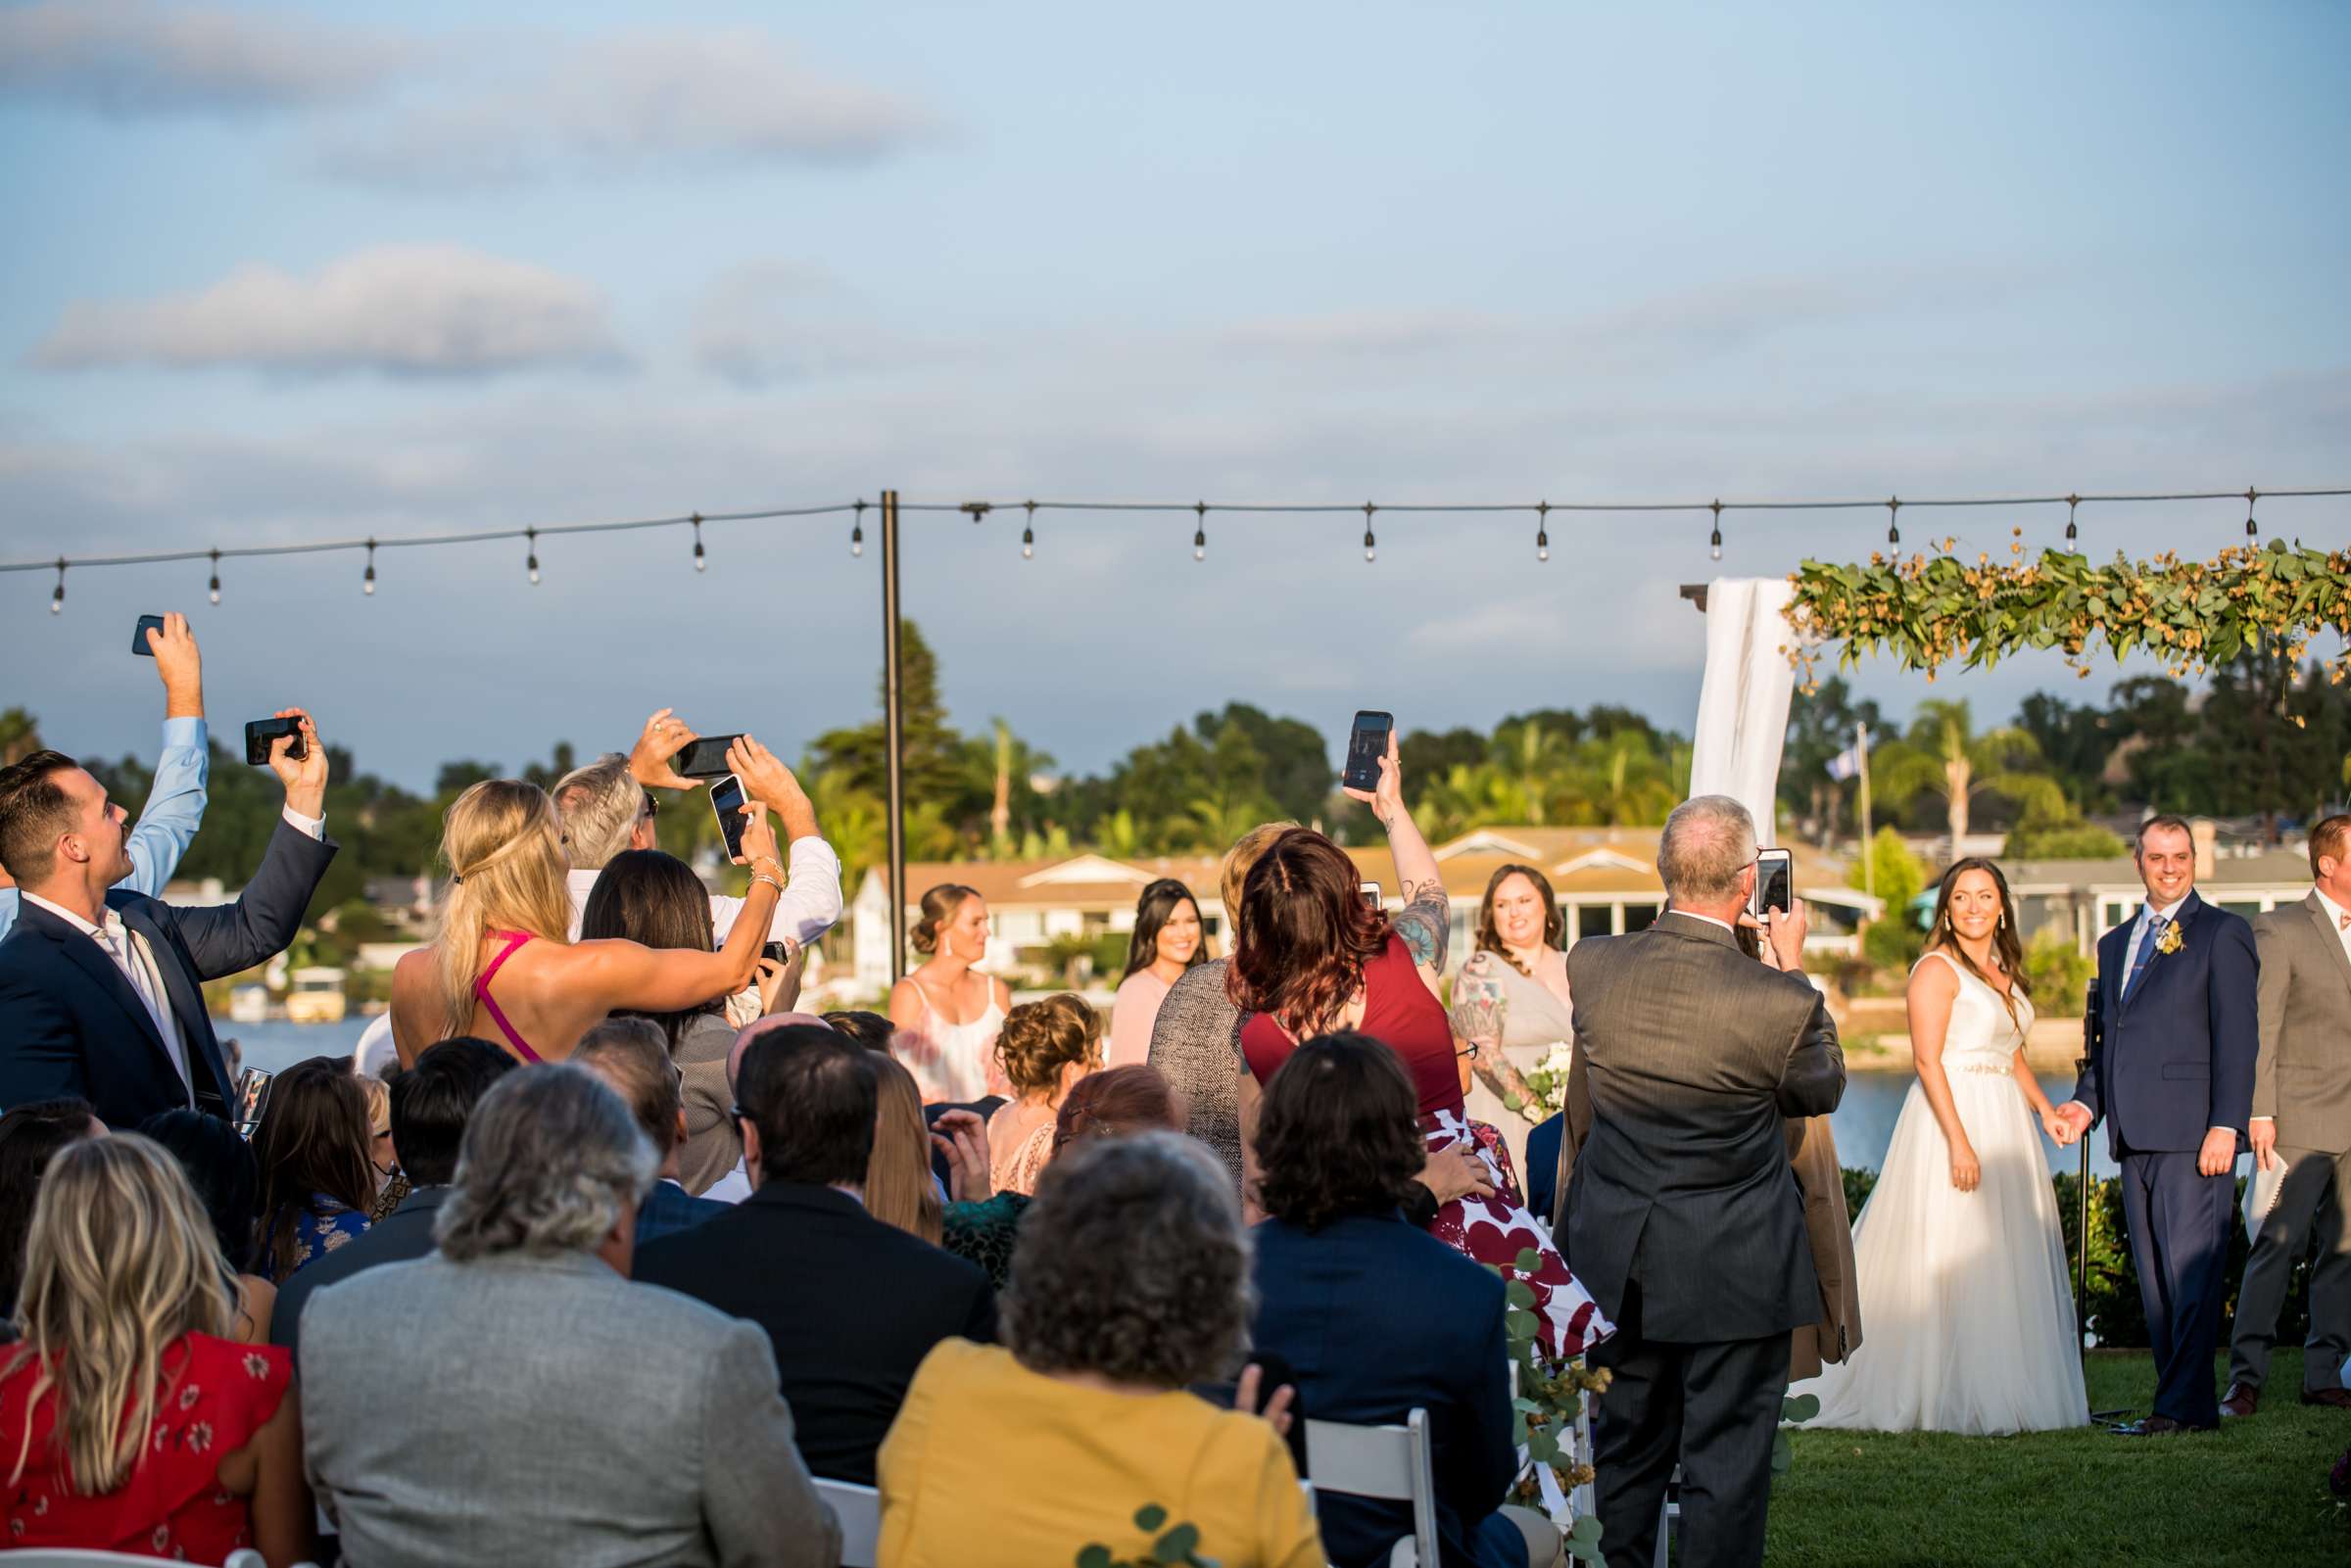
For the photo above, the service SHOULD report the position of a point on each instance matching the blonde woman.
(1045, 1047)
(503, 966)
(953, 1008)
(138, 1424)
(898, 1187)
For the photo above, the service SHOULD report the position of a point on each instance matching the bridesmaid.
(1167, 945)
(1511, 1002)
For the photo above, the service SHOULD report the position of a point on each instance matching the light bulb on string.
(532, 534)
(1715, 540)
(1028, 532)
(1200, 530)
(2071, 533)
(1371, 545)
(212, 589)
(1894, 531)
(2252, 529)
(700, 561)
(857, 531)
(367, 582)
(57, 596)
(1541, 531)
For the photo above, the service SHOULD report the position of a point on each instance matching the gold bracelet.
(770, 880)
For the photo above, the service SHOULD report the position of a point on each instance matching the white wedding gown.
(1967, 1310)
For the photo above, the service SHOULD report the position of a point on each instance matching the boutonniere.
(2171, 940)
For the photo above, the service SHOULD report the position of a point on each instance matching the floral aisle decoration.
(1555, 1452)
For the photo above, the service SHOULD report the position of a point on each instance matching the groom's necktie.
(2146, 951)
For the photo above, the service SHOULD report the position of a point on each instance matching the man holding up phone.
(100, 985)
(175, 796)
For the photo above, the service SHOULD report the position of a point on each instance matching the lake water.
(1864, 1124)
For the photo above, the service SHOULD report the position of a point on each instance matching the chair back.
(859, 1511)
(1388, 1462)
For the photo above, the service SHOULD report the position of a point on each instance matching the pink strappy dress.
(498, 1015)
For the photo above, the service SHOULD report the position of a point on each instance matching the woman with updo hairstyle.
(1044, 1047)
(949, 1009)
(503, 966)
(1168, 942)
(1129, 1284)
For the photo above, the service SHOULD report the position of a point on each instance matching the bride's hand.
(1966, 1171)
(2054, 1125)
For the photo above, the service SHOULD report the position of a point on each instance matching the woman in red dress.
(138, 1425)
(1312, 956)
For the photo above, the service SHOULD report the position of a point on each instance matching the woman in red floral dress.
(137, 1425)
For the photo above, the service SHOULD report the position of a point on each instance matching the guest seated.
(899, 1189)
(850, 1303)
(391, 1185)
(1376, 1317)
(513, 1399)
(503, 966)
(869, 1030)
(431, 1102)
(1131, 1283)
(1043, 1048)
(1111, 1103)
(28, 1136)
(317, 1182)
(633, 1060)
(220, 1168)
(135, 1424)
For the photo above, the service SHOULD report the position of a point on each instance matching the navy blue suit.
(669, 1209)
(1543, 1171)
(70, 1023)
(1376, 1317)
(2170, 1061)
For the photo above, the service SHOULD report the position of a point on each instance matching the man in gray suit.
(2302, 1120)
(513, 1399)
(1683, 1220)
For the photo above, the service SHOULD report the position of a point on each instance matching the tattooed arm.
(1480, 1009)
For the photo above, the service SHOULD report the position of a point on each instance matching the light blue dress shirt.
(166, 824)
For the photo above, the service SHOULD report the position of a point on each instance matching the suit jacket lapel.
(186, 1001)
(93, 962)
(2183, 919)
(2329, 936)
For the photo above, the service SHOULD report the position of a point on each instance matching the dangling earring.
(2004, 924)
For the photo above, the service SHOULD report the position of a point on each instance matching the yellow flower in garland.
(2171, 940)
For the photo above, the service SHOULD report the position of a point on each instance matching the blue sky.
(280, 273)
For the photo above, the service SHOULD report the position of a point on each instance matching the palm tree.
(1942, 755)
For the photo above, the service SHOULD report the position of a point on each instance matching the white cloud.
(630, 102)
(134, 57)
(770, 323)
(400, 309)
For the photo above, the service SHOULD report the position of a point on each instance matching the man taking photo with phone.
(175, 796)
(101, 987)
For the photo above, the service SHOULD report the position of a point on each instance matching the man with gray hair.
(512, 1398)
(609, 807)
(1683, 1219)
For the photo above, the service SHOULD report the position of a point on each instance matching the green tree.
(1820, 727)
(1943, 757)
(20, 736)
(2273, 736)
(935, 768)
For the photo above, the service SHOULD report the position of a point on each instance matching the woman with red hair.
(1311, 958)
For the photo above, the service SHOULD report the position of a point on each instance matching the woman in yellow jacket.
(1129, 1284)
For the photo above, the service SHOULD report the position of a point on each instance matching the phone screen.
(1366, 744)
(253, 1093)
(705, 758)
(1371, 898)
(1774, 883)
(138, 635)
(726, 799)
(262, 731)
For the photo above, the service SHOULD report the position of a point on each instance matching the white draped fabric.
(1743, 706)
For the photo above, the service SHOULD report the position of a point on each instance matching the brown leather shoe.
(2336, 1398)
(2243, 1400)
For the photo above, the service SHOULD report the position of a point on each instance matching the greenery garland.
(1929, 611)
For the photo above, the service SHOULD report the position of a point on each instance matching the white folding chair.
(1669, 1515)
(1388, 1462)
(859, 1511)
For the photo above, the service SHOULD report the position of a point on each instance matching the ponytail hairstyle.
(1039, 1039)
(505, 853)
(940, 905)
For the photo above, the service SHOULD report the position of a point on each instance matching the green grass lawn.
(2254, 1492)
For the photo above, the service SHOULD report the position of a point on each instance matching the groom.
(2172, 1033)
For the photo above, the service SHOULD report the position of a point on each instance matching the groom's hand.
(2075, 1118)
(2219, 1153)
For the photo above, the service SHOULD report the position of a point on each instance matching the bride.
(1957, 1254)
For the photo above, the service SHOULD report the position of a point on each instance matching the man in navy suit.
(100, 988)
(2173, 1033)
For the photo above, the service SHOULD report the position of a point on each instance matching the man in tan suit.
(2302, 1120)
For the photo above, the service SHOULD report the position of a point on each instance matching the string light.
(1371, 546)
(2251, 530)
(1028, 532)
(978, 509)
(1200, 530)
(1542, 533)
(1715, 540)
(212, 589)
(857, 532)
(700, 561)
(368, 582)
(532, 534)
(1894, 532)
(57, 598)
(2071, 501)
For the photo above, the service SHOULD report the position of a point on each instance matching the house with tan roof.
(1605, 879)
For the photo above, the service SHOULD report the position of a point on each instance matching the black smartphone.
(779, 952)
(139, 635)
(253, 1095)
(1366, 744)
(1775, 883)
(726, 799)
(704, 758)
(262, 731)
